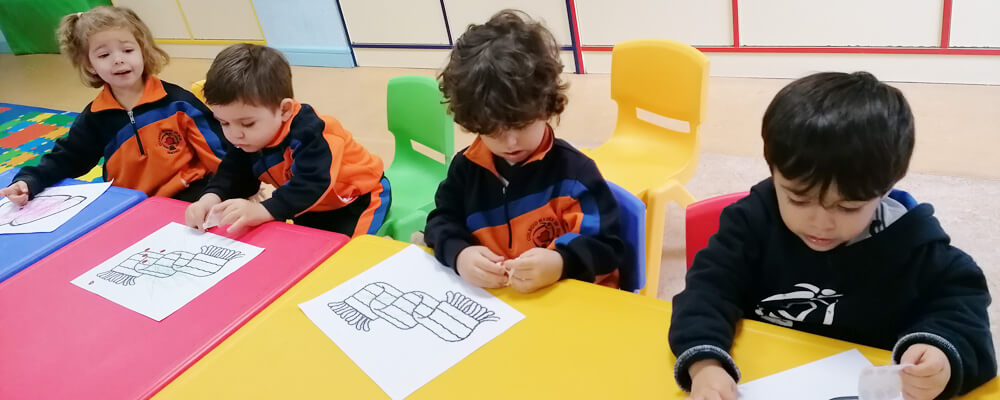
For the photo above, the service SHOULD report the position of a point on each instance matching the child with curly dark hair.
(519, 207)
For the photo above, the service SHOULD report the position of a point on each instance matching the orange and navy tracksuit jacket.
(316, 166)
(166, 142)
(556, 199)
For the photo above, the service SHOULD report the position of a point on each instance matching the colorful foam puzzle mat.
(26, 133)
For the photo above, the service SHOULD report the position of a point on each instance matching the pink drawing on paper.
(40, 207)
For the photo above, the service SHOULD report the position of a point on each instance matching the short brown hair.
(504, 74)
(75, 30)
(250, 73)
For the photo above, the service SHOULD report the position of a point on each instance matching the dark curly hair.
(504, 74)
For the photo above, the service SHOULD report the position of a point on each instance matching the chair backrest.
(903, 198)
(702, 221)
(632, 216)
(416, 112)
(662, 76)
(198, 89)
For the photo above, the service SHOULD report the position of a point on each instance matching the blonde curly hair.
(76, 29)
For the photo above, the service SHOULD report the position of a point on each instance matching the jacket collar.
(481, 155)
(152, 91)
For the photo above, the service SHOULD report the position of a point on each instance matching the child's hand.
(709, 381)
(481, 267)
(17, 192)
(241, 214)
(928, 375)
(534, 269)
(197, 212)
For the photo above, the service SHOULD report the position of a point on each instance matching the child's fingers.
(923, 370)
(490, 255)
(924, 363)
(911, 355)
(238, 226)
(229, 217)
(489, 266)
(489, 280)
(220, 208)
(18, 199)
(17, 193)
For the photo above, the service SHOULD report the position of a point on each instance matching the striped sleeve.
(593, 246)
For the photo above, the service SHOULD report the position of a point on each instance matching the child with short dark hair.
(828, 247)
(519, 207)
(324, 178)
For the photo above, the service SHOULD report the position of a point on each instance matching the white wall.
(884, 23)
(699, 23)
(395, 21)
(974, 23)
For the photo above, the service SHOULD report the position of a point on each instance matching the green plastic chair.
(416, 113)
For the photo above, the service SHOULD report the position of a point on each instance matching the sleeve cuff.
(450, 250)
(954, 358)
(698, 353)
(277, 208)
(572, 268)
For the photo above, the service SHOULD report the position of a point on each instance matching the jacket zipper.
(131, 119)
(506, 214)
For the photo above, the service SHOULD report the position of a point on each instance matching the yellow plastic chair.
(666, 78)
(96, 174)
(198, 88)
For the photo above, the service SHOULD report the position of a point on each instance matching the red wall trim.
(838, 50)
(736, 24)
(945, 24)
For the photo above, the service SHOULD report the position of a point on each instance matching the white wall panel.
(162, 16)
(912, 23)
(699, 23)
(394, 21)
(974, 23)
(461, 13)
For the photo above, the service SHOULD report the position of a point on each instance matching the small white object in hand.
(881, 383)
(212, 220)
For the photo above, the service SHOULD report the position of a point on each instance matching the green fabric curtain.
(30, 25)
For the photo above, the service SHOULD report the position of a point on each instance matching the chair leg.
(656, 209)
(675, 191)
(656, 203)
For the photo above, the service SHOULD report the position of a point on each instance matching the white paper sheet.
(829, 378)
(49, 209)
(881, 383)
(164, 271)
(407, 319)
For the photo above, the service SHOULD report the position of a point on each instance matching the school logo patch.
(545, 230)
(171, 141)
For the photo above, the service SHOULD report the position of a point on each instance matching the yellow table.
(577, 341)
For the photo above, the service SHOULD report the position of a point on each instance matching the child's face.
(823, 224)
(116, 57)
(251, 127)
(516, 145)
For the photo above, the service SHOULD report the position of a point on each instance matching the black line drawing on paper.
(452, 320)
(164, 265)
(40, 207)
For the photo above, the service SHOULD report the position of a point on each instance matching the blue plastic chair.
(903, 198)
(632, 217)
